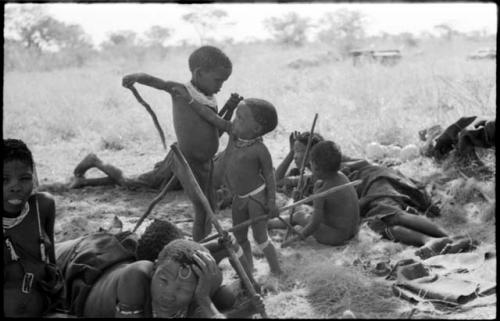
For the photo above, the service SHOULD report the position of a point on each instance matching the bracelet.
(191, 101)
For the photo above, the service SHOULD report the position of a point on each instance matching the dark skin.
(197, 138)
(160, 292)
(17, 190)
(335, 218)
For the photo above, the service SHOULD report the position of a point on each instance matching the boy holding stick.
(198, 139)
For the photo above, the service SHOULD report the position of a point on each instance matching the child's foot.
(76, 182)
(270, 284)
(88, 162)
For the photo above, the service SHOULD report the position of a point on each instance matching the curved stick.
(151, 112)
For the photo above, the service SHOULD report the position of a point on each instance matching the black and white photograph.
(274, 160)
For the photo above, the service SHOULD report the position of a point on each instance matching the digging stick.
(285, 208)
(151, 112)
(300, 188)
(206, 205)
(154, 202)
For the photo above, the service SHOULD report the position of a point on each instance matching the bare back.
(341, 209)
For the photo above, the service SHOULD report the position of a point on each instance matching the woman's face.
(17, 185)
(299, 151)
(172, 289)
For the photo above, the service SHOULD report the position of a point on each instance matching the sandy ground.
(320, 281)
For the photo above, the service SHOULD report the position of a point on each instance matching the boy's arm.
(203, 111)
(313, 224)
(266, 165)
(148, 80)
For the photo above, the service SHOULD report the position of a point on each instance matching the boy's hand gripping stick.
(184, 166)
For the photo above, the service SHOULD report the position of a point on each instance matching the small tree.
(345, 28)
(206, 20)
(408, 39)
(446, 31)
(291, 29)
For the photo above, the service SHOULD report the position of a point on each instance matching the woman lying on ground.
(114, 276)
(396, 207)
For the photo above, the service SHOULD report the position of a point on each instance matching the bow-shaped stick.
(184, 167)
(151, 112)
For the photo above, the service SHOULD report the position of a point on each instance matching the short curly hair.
(155, 237)
(181, 251)
(208, 58)
(16, 150)
(264, 113)
(327, 156)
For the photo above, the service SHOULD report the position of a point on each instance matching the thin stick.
(155, 201)
(151, 112)
(208, 209)
(301, 188)
(285, 208)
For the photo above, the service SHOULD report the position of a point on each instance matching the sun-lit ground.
(63, 115)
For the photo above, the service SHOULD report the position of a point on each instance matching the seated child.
(335, 219)
(250, 175)
(29, 272)
(298, 146)
(197, 137)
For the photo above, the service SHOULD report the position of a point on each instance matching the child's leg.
(300, 217)
(415, 222)
(259, 231)
(406, 235)
(240, 214)
(201, 225)
(219, 252)
(86, 163)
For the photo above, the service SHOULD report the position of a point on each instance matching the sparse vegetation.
(65, 113)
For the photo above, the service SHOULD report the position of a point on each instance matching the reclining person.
(104, 278)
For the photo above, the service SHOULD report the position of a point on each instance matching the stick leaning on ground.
(184, 166)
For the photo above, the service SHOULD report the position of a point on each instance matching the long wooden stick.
(151, 112)
(155, 201)
(300, 188)
(285, 208)
(208, 209)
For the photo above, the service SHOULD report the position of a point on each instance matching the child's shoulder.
(44, 198)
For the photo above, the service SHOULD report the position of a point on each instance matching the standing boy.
(249, 171)
(198, 139)
(335, 218)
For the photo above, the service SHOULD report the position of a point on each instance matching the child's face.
(244, 124)
(210, 81)
(299, 152)
(17, 185)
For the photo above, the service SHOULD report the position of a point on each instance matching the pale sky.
(98, 19)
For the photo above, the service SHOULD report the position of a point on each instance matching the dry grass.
(63, 115)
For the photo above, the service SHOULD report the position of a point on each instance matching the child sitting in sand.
(335, 218)
(198, 139)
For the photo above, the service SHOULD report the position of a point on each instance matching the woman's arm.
(282, 168)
